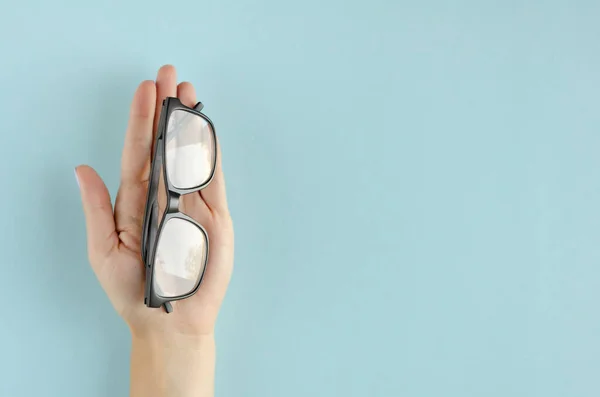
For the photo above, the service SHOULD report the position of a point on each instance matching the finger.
(214, 194)
(100, 224)
(138, 138)
(186, 94)
(166, 86)
(135, 166)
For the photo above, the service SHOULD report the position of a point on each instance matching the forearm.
(172, 367)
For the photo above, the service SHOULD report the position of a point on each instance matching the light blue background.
(415, 189)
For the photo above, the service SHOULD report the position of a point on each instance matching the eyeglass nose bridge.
(173, 202)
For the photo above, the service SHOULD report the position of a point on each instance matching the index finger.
(166, 86)
(135, 166)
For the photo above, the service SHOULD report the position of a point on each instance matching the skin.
(172, 354)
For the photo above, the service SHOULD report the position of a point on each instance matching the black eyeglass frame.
(152, 226)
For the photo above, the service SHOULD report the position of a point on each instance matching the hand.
(114, 238)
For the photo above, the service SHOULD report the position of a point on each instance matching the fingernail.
(77, 178)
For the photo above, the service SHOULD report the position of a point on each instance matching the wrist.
(172, 365)
(171, 340)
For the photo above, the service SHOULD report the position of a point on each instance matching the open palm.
(114, 237)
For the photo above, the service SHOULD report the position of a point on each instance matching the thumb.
(102, 237)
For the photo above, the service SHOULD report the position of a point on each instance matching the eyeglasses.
(175, 246)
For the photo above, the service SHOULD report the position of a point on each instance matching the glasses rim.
(168, 137)
(171, 105)
(150, 234)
